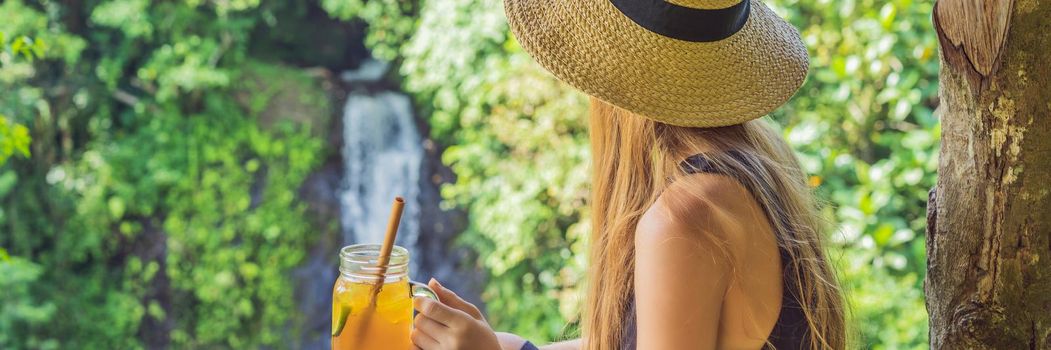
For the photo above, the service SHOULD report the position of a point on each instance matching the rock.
(275, 93)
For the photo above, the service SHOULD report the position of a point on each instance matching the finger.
(430, 326)
(434, 329)
(440, 312)
(421, 340)
(448, 297)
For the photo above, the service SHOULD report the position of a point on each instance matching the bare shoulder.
(700, 204)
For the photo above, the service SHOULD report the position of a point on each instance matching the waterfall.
(382, 152)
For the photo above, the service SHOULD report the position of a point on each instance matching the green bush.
(159, 205)
(14, 137)
(19, 313)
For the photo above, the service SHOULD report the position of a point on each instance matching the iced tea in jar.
(358, 322)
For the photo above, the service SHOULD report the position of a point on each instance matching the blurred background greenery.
(149, 197)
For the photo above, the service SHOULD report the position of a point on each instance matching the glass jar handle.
(422, 290)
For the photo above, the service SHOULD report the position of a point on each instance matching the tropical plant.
(160, 205)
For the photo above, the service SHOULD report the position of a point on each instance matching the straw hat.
(698, 63)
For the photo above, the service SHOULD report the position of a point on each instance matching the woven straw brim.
(594, 47)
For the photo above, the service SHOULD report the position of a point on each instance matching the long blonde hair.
(636, 158)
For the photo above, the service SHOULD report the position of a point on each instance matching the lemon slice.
(339, 318)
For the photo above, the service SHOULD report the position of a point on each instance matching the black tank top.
(790, 330)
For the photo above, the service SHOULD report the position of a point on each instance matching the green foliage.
(18, 311)
(390, 22)
(518, 140)
(226, 251)
(28, 34)
(22, 45)
(862, 125)
(14, 139)
(889, 311)
(160, 200)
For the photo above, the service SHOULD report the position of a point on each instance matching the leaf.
(116, 207)
(8, 179)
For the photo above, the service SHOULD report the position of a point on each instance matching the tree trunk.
(989, 218)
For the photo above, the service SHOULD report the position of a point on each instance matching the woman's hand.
(452, 324)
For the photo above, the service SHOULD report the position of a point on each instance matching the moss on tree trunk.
(989, 218)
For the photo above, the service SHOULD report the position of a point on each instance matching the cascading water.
(382, 152)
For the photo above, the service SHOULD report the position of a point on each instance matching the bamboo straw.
(388, 245)
(384, 259)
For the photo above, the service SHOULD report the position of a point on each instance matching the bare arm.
(509, 341)
(681, 277)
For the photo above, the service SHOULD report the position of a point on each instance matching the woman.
(705, 233)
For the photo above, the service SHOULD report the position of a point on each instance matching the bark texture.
(988, 283)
